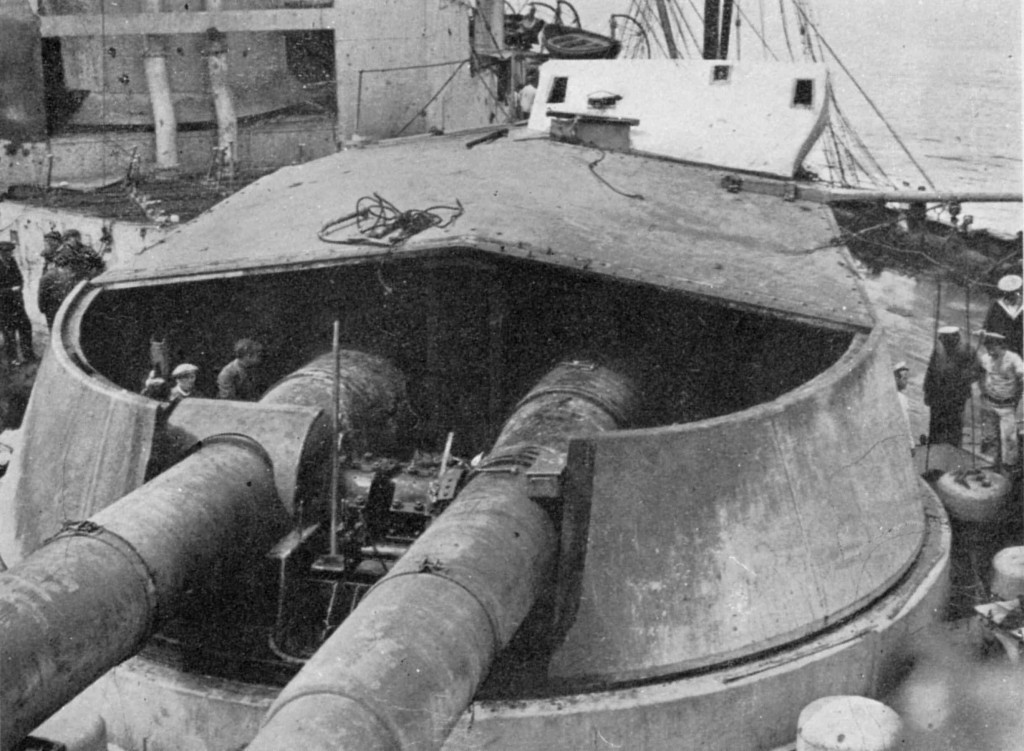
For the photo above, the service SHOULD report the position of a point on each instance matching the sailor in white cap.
(1001, 385)
(184, 377)
(1004, 315)
(901, 371)
(947, 386)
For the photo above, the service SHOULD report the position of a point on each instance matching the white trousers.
(999, 427)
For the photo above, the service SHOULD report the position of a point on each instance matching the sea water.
(944, 74)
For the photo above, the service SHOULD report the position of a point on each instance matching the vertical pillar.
(165, 123)
(223, 100)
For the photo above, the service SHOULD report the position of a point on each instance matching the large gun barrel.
(88, 598)
(399, 671)
(91, 596)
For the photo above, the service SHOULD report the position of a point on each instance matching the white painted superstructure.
(757, 117)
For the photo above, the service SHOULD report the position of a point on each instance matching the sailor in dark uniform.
(51, 245)
(72, 263)
(13, 319)
(947, 386)
(1004, 316)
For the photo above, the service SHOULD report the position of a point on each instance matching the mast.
(710, 29)
(666, 28)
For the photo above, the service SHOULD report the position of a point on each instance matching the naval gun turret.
(733, 520)
(91, 596)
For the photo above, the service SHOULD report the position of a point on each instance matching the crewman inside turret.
(237, 379)
(184, 376)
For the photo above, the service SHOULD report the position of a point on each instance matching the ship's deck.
(634, 217)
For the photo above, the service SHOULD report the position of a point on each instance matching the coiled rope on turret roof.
(376, 218)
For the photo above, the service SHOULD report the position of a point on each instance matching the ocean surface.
(945, 74)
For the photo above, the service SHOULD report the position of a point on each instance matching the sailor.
(1004, 315)
(528, 93)
(901, 372)
(947, 386)
(184, 376)
(526, 33)
(71, 263)
(237, 379)
(80, 258)
(155, 387)
(51, 244)
(17, 329)
(1001, 385)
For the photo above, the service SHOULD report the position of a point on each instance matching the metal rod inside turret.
(335, 410)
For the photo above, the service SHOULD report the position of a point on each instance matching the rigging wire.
(698, 42)
(765, 47)
(805, 36)
(676, 16)
(645, 14)
(689, 29)
(858, 142)
(760, 8)
(785, 28)
(833, 158)
(967, 328)
(422, 111)
(867, 98)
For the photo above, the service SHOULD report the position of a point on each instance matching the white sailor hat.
(184, 369)
(1010, 283)
(901, 365)
(948, 330)
(991, 336)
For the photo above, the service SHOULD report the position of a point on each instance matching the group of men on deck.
(66, 261)
(995, 364)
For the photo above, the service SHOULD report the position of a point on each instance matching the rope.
(593, 169)
(684, 51)
(967, 331)
(866, 97)
(376, 218)
(759, 34)
(858, 142)
(698, 43)
(785, 29)
(935, 343)
(683, 25)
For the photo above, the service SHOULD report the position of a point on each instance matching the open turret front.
(618, 452)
